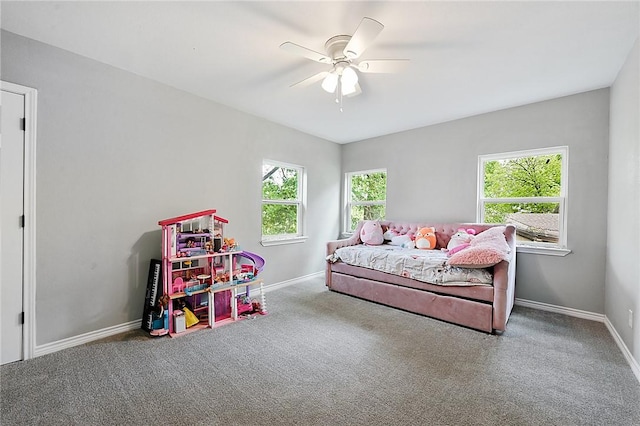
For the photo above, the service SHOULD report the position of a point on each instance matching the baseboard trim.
(91, 336)
(560, 310)
(287, 283)
(635, 367)
(81, 339)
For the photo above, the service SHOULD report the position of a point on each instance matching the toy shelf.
(181, 235)
(202, 256)
(217, 288)
(190, 330)
(199, 281)
(181, 294)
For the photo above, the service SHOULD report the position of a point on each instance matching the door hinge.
(21, 317)
(23, 124)
(22, 220)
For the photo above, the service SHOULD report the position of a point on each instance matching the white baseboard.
(635, 367)
(91, 336)
(287, 283)
(81, 339)
(560, 310)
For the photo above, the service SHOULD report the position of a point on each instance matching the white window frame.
(349, 203)
(557, 249)
(300, 202)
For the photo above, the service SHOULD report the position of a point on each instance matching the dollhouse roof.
(173, 220)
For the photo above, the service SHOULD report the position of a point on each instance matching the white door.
(11, 226)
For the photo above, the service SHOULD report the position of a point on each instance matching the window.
(366, 197)
(529, 190)
(283, 195)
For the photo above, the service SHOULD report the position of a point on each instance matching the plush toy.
(460, 240)
(426, 238)
(405, 240)
(389, 234)
(371, 233)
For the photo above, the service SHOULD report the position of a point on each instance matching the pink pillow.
(486, 249)
(496, 232)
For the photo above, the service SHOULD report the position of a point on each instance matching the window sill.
(286, 240)
(547, 251)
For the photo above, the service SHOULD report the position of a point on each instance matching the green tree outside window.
(528, 191)
(367, 192)
(281, 199)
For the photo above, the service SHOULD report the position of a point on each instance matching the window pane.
(278, 219)
(533, 176)
(359, 213)
(369, 187)
(538, 222)
(279, 183)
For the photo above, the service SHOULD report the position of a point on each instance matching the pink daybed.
(484, 307)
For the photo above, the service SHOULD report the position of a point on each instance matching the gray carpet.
(324, 358)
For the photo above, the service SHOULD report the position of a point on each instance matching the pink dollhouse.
(207, 278)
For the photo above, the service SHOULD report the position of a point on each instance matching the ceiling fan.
(342, 51)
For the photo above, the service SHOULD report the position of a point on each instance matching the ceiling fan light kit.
(330, 82)
(343, 74)
(341, 51)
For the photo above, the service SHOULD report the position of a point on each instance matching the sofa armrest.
(332, 246)
(504, 283)
(353, 240)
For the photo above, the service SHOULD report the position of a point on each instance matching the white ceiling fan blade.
(307, 53)
(366, 32)
(383, 65)
(310, 80)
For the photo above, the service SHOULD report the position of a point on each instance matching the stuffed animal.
(371, 233)
(426, 238)
(460, 240)
(389, 234)
(405, 240)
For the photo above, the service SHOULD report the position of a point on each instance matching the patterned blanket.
(422, 265)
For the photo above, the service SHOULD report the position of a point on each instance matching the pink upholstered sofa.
(482, 307)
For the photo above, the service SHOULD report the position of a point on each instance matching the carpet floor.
(322, 358)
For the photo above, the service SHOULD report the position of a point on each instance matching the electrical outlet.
(630, 318)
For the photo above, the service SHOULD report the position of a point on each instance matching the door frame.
(29, 249)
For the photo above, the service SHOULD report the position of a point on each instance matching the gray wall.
(116, 153)
(432, 174)
(623, 235)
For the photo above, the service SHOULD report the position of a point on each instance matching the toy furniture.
(203, 274)
(467, 300)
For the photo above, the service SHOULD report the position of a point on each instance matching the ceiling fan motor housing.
(335, 47)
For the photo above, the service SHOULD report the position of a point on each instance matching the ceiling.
(467, 58)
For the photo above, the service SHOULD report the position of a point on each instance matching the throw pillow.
(486, 249)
